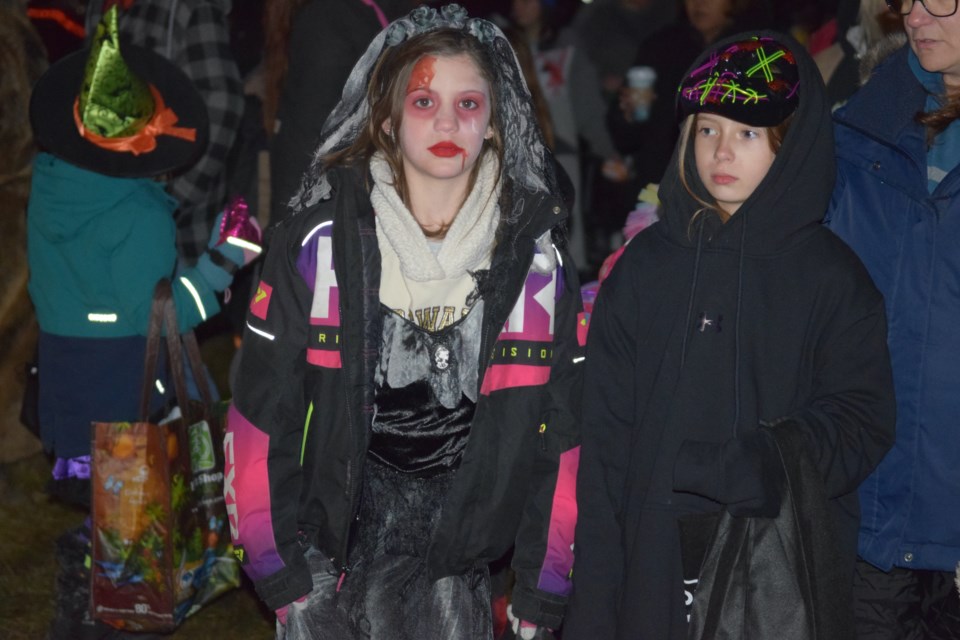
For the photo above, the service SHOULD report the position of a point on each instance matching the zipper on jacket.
(543, 438)
(349, 492)
(352, 492)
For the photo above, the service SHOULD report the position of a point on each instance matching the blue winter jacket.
(909, 240)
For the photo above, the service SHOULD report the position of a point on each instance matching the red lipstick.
(446, 150)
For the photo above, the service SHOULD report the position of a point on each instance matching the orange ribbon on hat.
(145, 140)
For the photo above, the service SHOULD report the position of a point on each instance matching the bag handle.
(152, 354)
(163, 313)
(192, 349)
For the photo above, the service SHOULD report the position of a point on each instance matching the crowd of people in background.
(793, 328)
(258, 63)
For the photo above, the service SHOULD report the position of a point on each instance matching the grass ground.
(30, 522)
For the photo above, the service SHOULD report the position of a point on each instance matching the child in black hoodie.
(734, 342)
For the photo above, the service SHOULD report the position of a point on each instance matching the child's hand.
(298, 604)
(236, 234)
(234, 243)
(522, 628)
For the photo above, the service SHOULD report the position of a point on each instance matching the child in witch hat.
(109, 120)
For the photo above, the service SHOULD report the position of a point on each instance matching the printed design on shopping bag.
(202, 456)
(131, 519)
(155, 527)
(161, 549)
(315, 265)
(523, 353)
(203, 560)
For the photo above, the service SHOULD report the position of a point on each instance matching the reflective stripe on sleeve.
(259, 332)
(196, 296)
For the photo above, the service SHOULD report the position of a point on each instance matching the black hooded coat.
(705, 336)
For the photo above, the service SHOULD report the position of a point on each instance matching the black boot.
(72, 618)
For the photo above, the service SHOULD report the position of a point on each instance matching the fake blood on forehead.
(421, 78)
(422, 74)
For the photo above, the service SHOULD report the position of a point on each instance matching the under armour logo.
(704, 323)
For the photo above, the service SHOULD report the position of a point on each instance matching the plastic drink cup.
(642, 78)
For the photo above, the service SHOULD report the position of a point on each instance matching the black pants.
(905, 604)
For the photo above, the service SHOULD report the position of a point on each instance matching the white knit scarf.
(468, 244)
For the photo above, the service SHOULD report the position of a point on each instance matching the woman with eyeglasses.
(897, 204)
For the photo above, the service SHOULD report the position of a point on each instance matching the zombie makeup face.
(446, 118)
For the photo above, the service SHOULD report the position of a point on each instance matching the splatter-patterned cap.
(754, 81)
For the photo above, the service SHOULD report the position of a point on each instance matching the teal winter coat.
(96, 247)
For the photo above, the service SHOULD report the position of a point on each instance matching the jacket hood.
(878, 52)
(64, 198)
(790, 201)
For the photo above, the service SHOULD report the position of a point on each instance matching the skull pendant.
(441, 357)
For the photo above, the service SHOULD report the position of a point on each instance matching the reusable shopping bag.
(161, 547)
